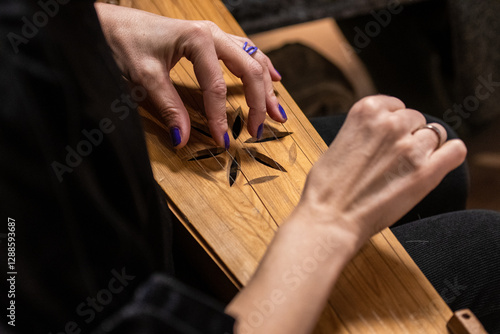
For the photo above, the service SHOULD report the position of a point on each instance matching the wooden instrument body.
(233, 202)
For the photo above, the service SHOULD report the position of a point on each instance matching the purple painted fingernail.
(226, 141)
(278, 73)
(282, 112)
(260, 130)
(175, 136)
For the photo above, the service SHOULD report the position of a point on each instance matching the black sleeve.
(91, 226)
(164, 305)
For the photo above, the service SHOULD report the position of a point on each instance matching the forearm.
(293, 282)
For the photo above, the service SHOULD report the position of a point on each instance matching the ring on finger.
(249, 49)
(436, 130)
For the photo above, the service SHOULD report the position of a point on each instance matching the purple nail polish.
(282, 112)
(260, 130)
(226, 141)
(278, 73)
(175, 136)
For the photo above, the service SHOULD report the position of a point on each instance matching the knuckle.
(391, 124)
(270, 92)
(146, 74)
(266, 59)
(218, 122)
(419, 117)
(371, 104)
(218, 89)
(169, 114)
(205, 24)
(210, 25)
(198, 31)
(365, 109)
(406, 149)
(260, 58)
(255, 70)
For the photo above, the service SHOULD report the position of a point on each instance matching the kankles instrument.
(232, 202)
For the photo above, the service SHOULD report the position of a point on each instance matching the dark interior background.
(432, 54)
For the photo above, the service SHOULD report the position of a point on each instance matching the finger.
(430, 136)
(274, 109)
(209, 75)
(275, 75)
(448, 157)
(411, 119)
(252, 74)
(167, 103)
(376, 103)
(273, 72)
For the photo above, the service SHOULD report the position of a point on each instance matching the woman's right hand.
(379, 166)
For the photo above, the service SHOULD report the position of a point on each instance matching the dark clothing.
(437, 56)
(93, 241)
(459, 252)
(75, 176)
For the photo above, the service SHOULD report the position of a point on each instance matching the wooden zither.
(232, 202)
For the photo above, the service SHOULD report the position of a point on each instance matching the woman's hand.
(379, 166)
(147, 46)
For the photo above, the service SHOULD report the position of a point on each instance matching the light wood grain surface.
(380, 291)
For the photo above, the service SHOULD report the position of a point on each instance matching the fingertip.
(226, 141)
(460, 148)
(276, 111)
(217, 123)
(275, 75)
(175, 136)
(178, 136)
(451, 154)
(273, 72)
(255, 127)
(260, 130)
(282, 113)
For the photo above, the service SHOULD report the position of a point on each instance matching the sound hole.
(234, 169)
(234, 165)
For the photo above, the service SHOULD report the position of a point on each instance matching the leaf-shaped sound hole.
(268, 137)
(206, 154)
(234, 169)
(265, 160)
(238, 123)
(201, 128)
(262, 179)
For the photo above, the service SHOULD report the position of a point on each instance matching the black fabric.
(90, 226)
(459, 252)
(260, 15)
(165, 303)
(440, 56)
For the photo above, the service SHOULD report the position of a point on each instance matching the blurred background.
(439, 57)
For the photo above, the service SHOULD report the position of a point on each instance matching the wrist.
(330, 226)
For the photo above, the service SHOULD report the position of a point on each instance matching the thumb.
(167, 103)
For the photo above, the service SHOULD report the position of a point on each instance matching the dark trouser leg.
(459, 252)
